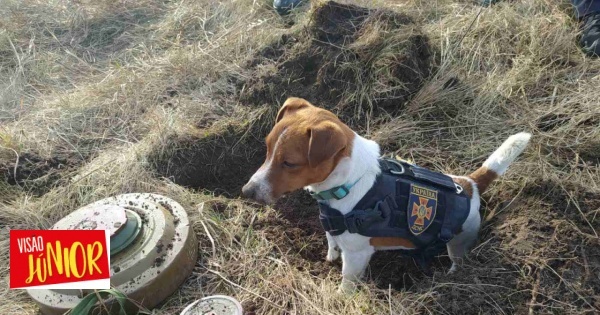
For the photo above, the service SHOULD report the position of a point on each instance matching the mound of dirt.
(348, 57)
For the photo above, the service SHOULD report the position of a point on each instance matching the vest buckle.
(362, 219)
(459, 188)
(330, 225)
(353, 223)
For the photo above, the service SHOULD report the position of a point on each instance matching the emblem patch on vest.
(422, 204)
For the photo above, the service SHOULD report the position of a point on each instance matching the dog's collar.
(337, 193)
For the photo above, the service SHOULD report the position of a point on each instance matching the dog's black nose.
(249, 191)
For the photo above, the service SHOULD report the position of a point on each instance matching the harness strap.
(334, 222)
(436, 178)
(451, 218)
(446, 230)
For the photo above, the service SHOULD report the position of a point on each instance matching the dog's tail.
(497, 164)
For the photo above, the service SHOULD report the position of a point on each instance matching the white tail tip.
(501, 159)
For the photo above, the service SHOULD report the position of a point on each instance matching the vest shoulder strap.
(401, 168)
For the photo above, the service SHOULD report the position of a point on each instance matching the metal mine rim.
(151, 260)
(221, 299)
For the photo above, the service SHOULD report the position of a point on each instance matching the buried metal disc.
(214, 305)
(152, 263)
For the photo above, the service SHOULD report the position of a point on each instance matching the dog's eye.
(289, 165)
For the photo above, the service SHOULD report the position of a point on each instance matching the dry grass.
(96, 97)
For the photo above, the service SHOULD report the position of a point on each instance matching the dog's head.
(303, 148)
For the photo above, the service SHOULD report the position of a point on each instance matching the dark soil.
(221, 162)
(557, 233)
(347, 58)
(298, 232)
(36, 174)
(542, 246)
(552, 121)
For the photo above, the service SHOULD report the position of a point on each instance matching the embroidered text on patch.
(422, 208)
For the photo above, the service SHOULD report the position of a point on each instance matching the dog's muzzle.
(256, 192)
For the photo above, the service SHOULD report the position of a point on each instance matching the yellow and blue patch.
(422, 205)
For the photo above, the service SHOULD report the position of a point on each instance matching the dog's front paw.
(347, 287)
(332, 254)
(453, 269)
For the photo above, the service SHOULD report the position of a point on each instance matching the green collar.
(336, 193)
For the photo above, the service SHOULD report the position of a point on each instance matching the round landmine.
(153, 249)
(214, 305)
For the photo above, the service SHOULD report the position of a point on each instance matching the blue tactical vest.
(406, 201)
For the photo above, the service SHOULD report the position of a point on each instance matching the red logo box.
(59, 259)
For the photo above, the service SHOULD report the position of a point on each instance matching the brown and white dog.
(310, 147)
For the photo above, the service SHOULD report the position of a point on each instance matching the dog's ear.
(290, 106)
(326, 140)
